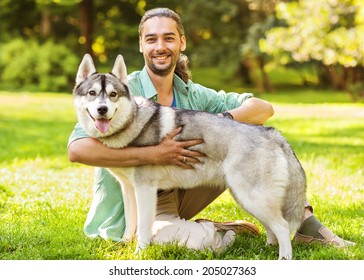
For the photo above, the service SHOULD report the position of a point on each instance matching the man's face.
(161, 45)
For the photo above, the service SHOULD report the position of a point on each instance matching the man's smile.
(161, 58)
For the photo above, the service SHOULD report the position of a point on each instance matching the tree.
(329, 33)
(216, 30)
(226, 33)
(253, 60)
(86, 24)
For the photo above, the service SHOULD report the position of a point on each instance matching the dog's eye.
(92, 92)
(113, 94)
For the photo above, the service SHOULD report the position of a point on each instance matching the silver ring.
(184, 159)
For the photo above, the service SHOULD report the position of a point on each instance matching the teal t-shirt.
(106, 215)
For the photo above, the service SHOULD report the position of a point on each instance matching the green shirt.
(106, 215)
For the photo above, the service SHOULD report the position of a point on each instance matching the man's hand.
(172, 152)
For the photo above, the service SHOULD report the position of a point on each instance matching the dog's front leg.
(130, 210)
(146, 197)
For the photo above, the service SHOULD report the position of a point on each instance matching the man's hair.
(182, 67)
(162, 12)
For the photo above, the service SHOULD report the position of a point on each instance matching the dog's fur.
(256, 163)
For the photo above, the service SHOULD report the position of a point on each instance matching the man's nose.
(161, 45)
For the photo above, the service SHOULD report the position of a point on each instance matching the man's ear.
(86, 69)
(183, 43)
(140, 45)
(119, 69)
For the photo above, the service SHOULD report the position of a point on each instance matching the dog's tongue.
(102, 125)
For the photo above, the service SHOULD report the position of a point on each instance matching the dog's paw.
(127, 238)
(285, 257)
(137, 251)
(272, 242)
(140, 247)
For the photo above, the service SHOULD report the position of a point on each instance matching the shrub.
(27, 64)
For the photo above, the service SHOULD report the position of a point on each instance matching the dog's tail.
(295, 200)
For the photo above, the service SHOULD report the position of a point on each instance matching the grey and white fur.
(255, 162)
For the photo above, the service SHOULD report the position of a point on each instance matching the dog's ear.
(86, 69)
(119, 69)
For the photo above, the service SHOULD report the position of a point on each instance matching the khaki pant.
(186, 203)
(176, 207)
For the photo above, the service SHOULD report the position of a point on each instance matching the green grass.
(44, 199)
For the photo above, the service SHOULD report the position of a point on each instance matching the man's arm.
(92, 152)
(243, 107)
(169, 152)
(253, 111)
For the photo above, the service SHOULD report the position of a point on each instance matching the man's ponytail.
(182, 68)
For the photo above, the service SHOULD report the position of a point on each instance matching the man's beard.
(161, 72)
(164, 70)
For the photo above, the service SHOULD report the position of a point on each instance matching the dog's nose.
(102, 109)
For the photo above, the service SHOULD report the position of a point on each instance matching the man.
(165, 79)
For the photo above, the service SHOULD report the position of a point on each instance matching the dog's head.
(103, 102)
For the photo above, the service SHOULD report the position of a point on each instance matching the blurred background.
(306, 57)
(259, 44)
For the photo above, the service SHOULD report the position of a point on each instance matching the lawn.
(44, 198)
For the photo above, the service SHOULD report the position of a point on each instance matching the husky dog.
(256, 163)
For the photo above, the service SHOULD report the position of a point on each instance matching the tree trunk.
(265, 79)
(250, 66)
(337, 77)
(86, 26)
(243, 73)
(45, 25)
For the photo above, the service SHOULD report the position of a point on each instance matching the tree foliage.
(329, 33)
(49, 66)
(239, 36)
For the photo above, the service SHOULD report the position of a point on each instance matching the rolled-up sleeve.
(219, 101)
(77, 133)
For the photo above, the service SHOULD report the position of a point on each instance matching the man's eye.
(92, 92)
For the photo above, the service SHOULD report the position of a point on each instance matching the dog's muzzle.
(102, 123)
